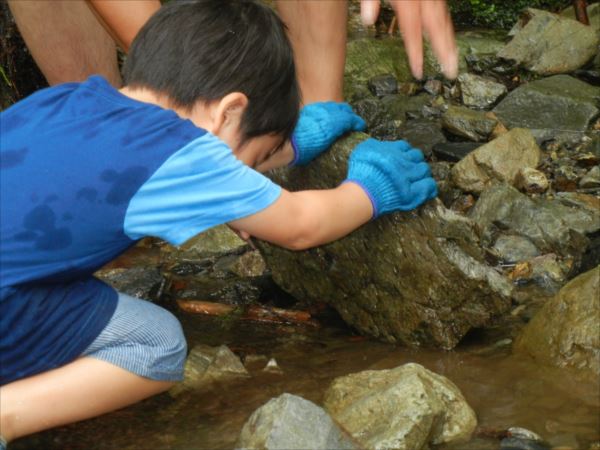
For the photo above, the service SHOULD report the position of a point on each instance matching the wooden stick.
(252, 312)
(581, 11)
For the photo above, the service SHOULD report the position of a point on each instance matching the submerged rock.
(205, 365)
(559, 107)
(407, 408)
(564, 332)
(417, 277)
(547, 44)
(497, 161)
(291, 422)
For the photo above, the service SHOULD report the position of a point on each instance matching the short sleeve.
(200, 186)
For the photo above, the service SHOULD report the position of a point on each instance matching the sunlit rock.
(564, 332)
(497, 161)
(406, 408)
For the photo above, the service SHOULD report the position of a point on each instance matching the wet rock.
(591, 180)
(380, 279)
(272, 367)
(221, 290)
(546, 271)
(453, 151)
(523, 433)
(547, 44)
(478, 91)
(513, 249)
(139, 282)
(382, 85)
(422, 134)
(531, 181)
(408, 407)
(564, 332)
(559, 107)
(250, 264)
(465, 122)
(496, 161)
(517, 443)
(291, 422)
(219, 240)
(551, 225)
(400, 105)
(433, 87)
(566, 177)
(205, 365)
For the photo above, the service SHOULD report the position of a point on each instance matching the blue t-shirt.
(85, 172)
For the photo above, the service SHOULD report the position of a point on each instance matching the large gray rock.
(417, 277)
(290, 422)
(547, 44)
(559, 107)
(406, 408)
(497, 161)
(565, 332)
(552, 225)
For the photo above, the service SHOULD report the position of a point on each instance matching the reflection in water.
(504, 390)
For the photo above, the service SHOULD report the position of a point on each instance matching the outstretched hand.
(415, 19)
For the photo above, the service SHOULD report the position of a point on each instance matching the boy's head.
(193, 51)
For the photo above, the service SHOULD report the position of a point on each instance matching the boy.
(87, 170)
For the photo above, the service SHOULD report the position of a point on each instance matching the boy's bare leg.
(317, 30)
(66, 40)
(85, 388)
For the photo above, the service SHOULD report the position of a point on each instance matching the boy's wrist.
(362, 196)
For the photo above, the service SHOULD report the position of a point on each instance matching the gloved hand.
(319, 126)
(394, 175)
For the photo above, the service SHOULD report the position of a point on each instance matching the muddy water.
(503, 389)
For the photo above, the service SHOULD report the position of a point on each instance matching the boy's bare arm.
(304, 219)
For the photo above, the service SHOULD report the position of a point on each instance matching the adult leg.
(66, 40)
(85, 388)
(317, 30)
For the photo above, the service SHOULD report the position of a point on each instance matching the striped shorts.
(142, 338)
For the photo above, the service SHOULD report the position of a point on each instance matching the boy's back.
(86, 171)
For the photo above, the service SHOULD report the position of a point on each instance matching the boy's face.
(255, 152)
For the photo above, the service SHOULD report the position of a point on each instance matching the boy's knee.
(169, 340)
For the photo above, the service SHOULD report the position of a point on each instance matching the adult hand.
(394, 175)
(415, 19)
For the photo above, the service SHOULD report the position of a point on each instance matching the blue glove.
(319, 126)
(394, 175)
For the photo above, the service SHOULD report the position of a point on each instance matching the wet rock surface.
(372, 280)
(564, 333)
(408, 408)
(559, 107)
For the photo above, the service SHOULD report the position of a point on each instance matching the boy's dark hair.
(204, 50)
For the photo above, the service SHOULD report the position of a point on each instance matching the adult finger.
(437, 24)
(409, 18)
(369, 10)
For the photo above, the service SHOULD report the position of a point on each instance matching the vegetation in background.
(497, 13)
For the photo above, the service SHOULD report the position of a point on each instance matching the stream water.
(503, 389)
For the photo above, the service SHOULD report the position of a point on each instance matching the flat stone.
(559, 107)
(453, 151)
(549, 44)
(292, 423)
(408, 407)
(515, 248)
(497, 161)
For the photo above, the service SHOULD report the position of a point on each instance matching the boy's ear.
(228, 112)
